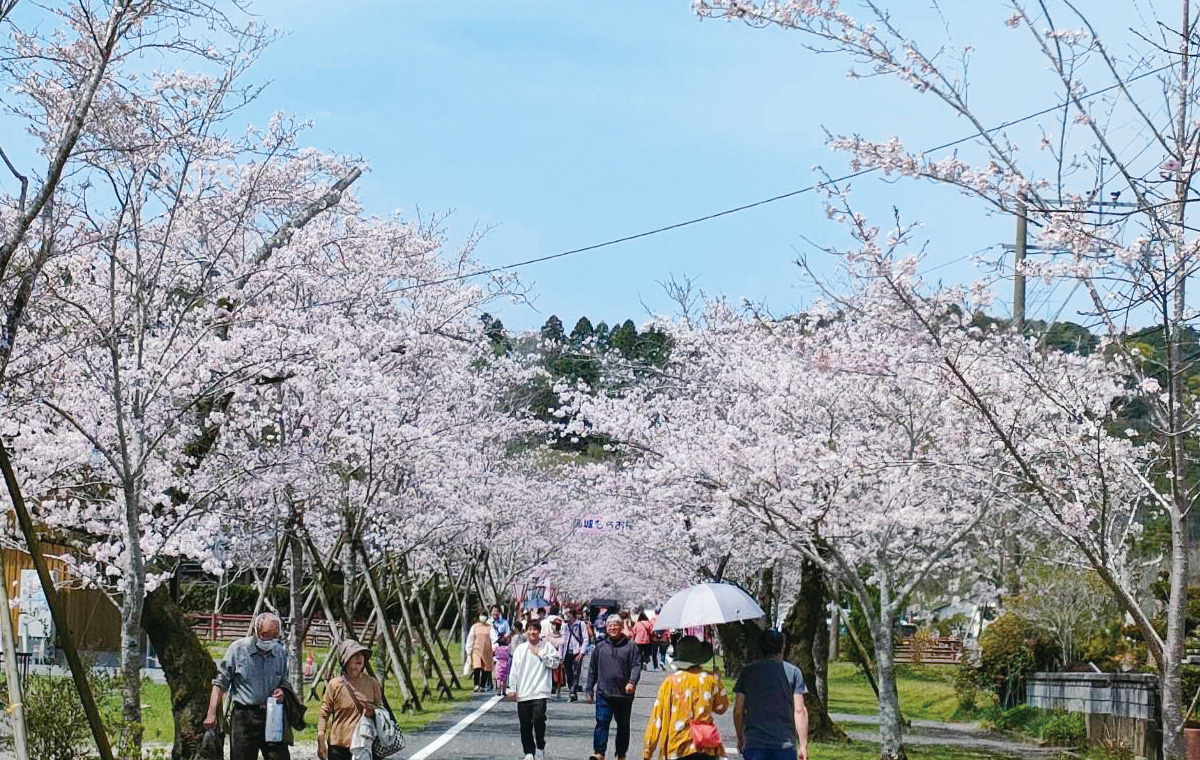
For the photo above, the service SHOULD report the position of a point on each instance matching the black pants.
(483, 678)
(608, 708)
(247, 736)
(339, 753)
(573, 664)
(532, 714)
(646, 651)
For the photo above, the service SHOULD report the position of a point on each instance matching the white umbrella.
(707, 604)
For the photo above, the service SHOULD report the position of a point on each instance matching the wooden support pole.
(272, 573)
(419, 632)
(78, 672)
(403, 673)
(437, 638)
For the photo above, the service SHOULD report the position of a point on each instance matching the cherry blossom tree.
(842, 435)
(1121, 236)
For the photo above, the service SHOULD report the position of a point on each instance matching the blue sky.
(557, 125)
(560, 125)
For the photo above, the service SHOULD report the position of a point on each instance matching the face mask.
(265, 645)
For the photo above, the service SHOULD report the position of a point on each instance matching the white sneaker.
(529, 757)
(541, 755)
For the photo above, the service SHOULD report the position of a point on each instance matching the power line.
(772, 199)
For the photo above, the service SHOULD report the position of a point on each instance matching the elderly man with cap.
(613, 673)
(350, 697)
(253, 669)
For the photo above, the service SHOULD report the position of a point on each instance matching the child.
(503, 659)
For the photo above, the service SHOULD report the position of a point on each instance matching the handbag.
(704, 736)
(389, 739)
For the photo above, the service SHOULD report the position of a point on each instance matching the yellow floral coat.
(686, 696)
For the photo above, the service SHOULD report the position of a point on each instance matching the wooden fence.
(233, 627)
(940, 651)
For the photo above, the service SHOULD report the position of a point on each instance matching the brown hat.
(348, 649)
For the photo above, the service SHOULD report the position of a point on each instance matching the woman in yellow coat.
(479, 649)
(689, 696)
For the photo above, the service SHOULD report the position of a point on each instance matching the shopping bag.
(275, 718)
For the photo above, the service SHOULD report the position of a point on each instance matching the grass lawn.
(160, 726)
(926, 692)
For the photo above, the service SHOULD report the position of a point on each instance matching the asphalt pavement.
(494, 733)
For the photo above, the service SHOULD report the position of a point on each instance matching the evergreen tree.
(582, 333)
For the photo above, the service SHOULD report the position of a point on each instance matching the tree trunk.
(349, 567)
(891, 727)
(297, 617)
(820, 650)
(1170, 668)
(807, 637)
(189, 669)
(739, 645)
(133, 597)
(891, 723)
(12, 677)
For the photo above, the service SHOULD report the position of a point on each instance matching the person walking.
(530, 679)
(500, 625)
(348, 699)
(479, 649)
(253, 670)
(579, 643)
(643, 636)
(613, 673)
(502, 655)
(557, 640)
(681, 721)
(769, 713)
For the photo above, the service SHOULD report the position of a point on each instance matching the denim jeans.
(608, 708)
(751, 753)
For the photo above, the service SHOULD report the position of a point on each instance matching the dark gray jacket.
(614, 664)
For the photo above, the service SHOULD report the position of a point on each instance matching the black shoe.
(573, 698)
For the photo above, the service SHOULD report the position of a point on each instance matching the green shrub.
(1018, 719)
(1010, 649)
(55, 722)
(966, 687)
(1066, 728)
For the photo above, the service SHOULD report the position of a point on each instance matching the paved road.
(495, 735)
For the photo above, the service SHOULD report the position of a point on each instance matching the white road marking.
(456, 729)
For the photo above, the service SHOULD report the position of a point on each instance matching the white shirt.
(532, 676)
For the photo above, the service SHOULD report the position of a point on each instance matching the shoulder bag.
(705, 736)
(389, 739)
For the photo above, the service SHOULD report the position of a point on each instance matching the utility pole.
(1018, 308)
